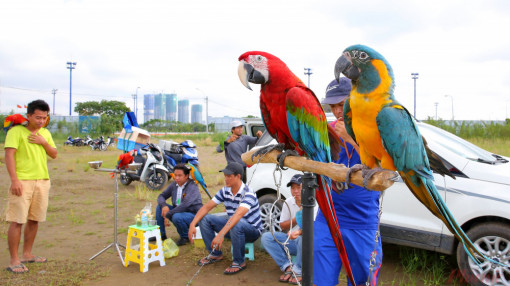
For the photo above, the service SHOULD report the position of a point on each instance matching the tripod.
(115, 241)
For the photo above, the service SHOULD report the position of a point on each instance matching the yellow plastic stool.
(250, 251)
(146, 253)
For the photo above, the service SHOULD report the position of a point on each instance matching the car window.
(456, 144)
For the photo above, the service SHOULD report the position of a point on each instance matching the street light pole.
(308, 72)
(136, 103)
(206, 110)
(415, 77)
(453, 117)
(54, 91)
(70, 67)
(436, 104)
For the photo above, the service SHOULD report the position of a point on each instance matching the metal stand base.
(115, 241)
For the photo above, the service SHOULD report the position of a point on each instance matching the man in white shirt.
(287, 218)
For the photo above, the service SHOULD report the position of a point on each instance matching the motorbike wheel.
(156, 179)
(103, 147)
(125, 179)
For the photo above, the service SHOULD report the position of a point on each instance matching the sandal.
(234, 266)
(209, 260)
(295, 280)
(286, 275)
(35, 259)
(15, 267)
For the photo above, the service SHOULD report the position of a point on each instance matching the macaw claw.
(266, 149)
(281, 158)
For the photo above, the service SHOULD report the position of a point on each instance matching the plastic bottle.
(145, 214)
(138, 220)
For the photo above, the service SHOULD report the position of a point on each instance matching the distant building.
(183, 114)
(148, 107)
(222, 124)
(160, 101)
(171, 107)
(196, 113)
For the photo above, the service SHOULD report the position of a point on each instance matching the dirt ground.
(80, 224)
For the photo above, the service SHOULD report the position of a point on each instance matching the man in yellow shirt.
(26, 151)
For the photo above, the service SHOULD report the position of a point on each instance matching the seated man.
(243, 225)
(186, 201)
(274, 248)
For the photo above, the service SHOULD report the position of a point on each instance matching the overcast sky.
(190, 47)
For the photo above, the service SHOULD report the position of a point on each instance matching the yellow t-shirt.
(31, 159)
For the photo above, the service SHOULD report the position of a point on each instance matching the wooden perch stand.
(337, 172)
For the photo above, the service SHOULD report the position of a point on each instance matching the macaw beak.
(344, 65)
(248, 74)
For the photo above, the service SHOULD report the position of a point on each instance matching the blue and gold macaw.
(387, 135)
(293, 116)
(198, 178)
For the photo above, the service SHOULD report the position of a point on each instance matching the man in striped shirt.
(243, 224)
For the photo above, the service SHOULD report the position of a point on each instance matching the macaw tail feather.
(325, 202)
(423, 188)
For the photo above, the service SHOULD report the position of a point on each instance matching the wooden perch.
(337, 172)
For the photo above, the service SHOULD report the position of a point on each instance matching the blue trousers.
(180, 220)
(359, 244)
(277, 251)
(239, 234)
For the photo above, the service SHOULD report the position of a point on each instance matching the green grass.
(74, 219)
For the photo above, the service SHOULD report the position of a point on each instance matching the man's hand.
(164, 210)
(16, 188)
(167, 222)
(341, 131)
(295, 234)
(192, 231)
(259, 133)
(217, 242)
(36, 138)
(232, 138)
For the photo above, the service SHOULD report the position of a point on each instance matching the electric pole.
(70, 67)
(308, 72)
(54, 91)
(436, 104)
(415, 77)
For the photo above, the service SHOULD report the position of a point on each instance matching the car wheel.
(265, 204)
(493, 239)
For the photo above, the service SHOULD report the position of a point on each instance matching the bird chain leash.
(373, 255)
(228, 222)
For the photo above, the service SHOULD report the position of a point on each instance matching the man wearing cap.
(287, 218)
(242, 225)
(356, 208)
(237, 143)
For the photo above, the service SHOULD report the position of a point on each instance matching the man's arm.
(191, 196)
(167, 193)
(285, 225)
(342, 133)
(218, 240)
(205, 209)
(16, 187)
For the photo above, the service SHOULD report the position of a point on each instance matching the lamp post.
(206, 110)
(136, 103)
(308, 72)
(453, 117)
(436, 104)
(54, 91)
(415, 77)
(70, 67)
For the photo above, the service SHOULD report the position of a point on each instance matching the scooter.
(74, 142)
(184, 152)
(88, 140)
(99, 144)
(153, 171)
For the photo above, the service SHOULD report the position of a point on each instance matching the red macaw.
(293, 115)
(17, 119)
(125, 159)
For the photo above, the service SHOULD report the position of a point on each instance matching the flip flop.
(235, 266)
(295, 280)
(35, 259)
(209, 260)
(287, 274)
(12, 268)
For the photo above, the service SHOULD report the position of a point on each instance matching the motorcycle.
(152, 171)
(74, 142)
(87, 141)
(110, 142)
(99, 144)
(184, 152)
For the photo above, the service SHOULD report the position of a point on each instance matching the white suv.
(479, 199)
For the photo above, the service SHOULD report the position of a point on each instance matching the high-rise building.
(171, 107)
(148, 107)
(160, 106)
(183, 114)
(196, 113)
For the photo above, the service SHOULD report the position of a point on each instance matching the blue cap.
(337, 92)
(296, 179)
